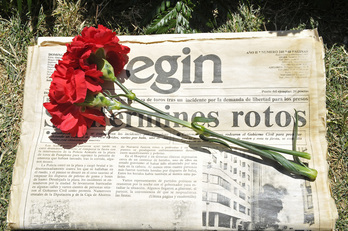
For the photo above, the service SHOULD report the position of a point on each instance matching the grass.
(67, 18)
(12, 69)
(337, 133)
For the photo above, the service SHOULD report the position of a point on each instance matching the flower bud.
(103, 65)
(98, 100)
(108, 71)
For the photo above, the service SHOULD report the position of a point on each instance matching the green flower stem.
(260, 149)
(130, 95)
(149, 106)
(118, 106)
(294, 140)
(282, 150)
(108, 74)
(292, 167)
(261, 146)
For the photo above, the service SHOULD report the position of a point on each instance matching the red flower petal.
(93, 86)
(95, 115)
(80, 86)
(69, 123)
(82, 129)
(94, 73)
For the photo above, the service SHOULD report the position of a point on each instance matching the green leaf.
(203, 137)
(160, 23)
(29, 2)
(19, 6)
(203, 120)
(295, 132)
(163, 5)
(178, 6)
(175, 19)
(294, 139)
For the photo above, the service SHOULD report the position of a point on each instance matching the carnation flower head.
(75, 77)
(73, 119)
(93, 39)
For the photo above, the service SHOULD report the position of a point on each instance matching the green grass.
(13, 60)
(67, 18)
(337, 133)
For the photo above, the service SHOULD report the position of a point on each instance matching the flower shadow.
(67, 142)
(205, 148)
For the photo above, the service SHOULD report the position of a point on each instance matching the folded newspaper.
(139, 172)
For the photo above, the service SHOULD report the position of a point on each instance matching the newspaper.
(140, 172)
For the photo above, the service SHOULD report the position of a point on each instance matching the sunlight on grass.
(337, 133)
(12, 66)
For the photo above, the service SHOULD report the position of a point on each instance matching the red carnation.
(75, 76)
(92, 39)
(68, 85)
(73, 119)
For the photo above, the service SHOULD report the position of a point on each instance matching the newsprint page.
(139, 172)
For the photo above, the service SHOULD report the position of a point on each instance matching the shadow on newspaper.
(97, 133)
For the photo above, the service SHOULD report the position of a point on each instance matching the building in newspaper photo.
(236, 196)
(227, 192)
(307, 203)
(272, 202)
